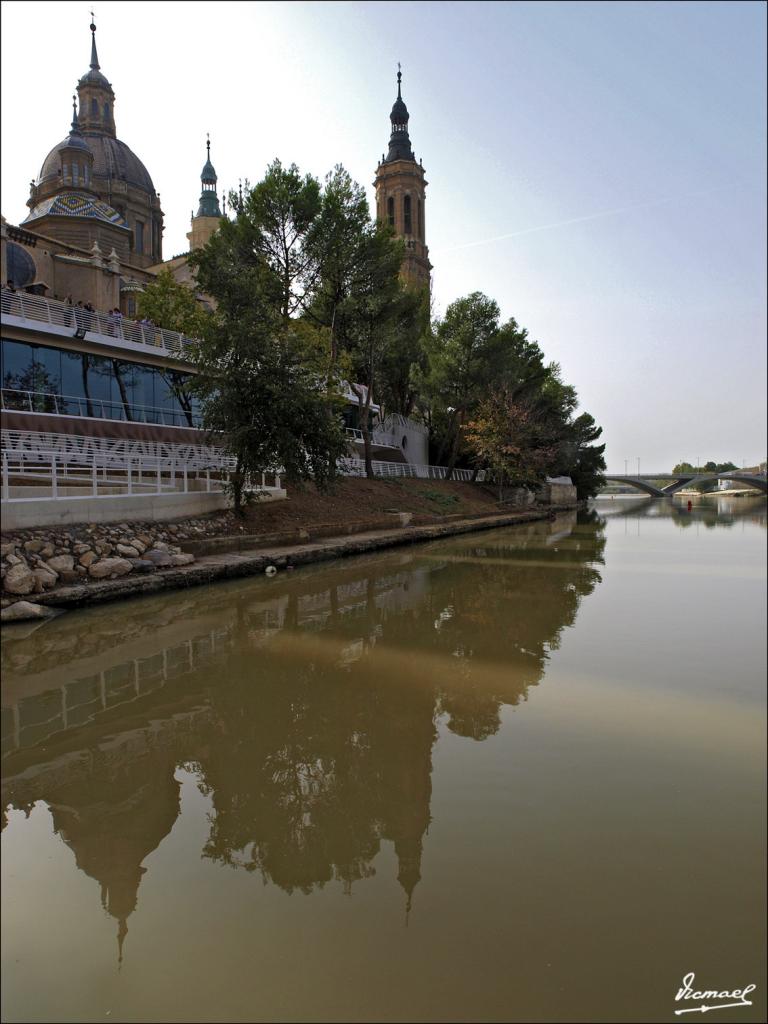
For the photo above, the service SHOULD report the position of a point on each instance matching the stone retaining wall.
(35, 561)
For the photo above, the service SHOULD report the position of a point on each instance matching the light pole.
(626, 471)
(638, 465)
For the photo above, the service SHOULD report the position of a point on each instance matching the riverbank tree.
(264, 379)
(308, 292)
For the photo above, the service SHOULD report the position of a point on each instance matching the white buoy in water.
(270, 571)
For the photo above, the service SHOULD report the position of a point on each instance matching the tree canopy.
(308, 293)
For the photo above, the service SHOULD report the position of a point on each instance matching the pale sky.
(598, 169)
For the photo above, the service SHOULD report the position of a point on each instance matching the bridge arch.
(759, 482)
(638, 483)
(678, 483)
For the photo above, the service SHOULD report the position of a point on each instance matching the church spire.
(399, 142)
(94, 56)
(209, 201)
(75, 123)
(97, 99)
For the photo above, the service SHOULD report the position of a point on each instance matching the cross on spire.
(399, 77)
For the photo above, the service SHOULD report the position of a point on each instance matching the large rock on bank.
(21, 611)
(19, 580)
(109, 568)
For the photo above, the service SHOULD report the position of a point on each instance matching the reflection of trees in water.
(319, 765)
(710, 512)
(320, 703)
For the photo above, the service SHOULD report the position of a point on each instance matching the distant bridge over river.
(648, 482)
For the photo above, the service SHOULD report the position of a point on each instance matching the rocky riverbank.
(171, 569)
(33, 562)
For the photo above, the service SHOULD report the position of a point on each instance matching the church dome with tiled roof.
(113, 161)
(76, 204)
(115, 174)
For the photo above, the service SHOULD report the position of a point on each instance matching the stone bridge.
(648, 481)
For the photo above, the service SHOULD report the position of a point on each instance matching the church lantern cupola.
(400, 195)
(97, 100)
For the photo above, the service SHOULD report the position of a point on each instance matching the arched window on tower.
(94, 107)
(420, 224)
(407, 227)
(75, 179)
(391, 211)
(106, 112)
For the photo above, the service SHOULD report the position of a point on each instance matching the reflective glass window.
(143, 392)
(121, 389)
(18, 365)
(74, 383)
(99, 385)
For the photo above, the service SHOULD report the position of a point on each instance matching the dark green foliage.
(264, 380)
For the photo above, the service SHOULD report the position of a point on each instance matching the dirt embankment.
(360, 500)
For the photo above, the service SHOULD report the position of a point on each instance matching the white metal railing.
(356, 467)
(83, 465)
(395, 423)
(65, 478)
(99, 325)
(81, 448)
(376, 436)
(50, 403)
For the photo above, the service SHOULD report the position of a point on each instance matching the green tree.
(337, 241)
(374, 311)
(275, 228)
(461, 358)
(405, 360)
(468, 354)
(263, 376)
(173, 306)
(587, 465)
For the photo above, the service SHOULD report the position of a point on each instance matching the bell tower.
(400, 195)
(208, 218)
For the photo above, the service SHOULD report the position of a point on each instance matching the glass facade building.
(38, 378)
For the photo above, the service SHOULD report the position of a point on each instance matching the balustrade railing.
(93, 322)
(377, 437)
(356, 467)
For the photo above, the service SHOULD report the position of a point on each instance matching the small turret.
(76, 157)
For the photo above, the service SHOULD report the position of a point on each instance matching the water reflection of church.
(308, 713)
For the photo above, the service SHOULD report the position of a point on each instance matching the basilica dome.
(93, 160)
(113, 160)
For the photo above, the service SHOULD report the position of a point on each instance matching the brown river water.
(516, 775)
